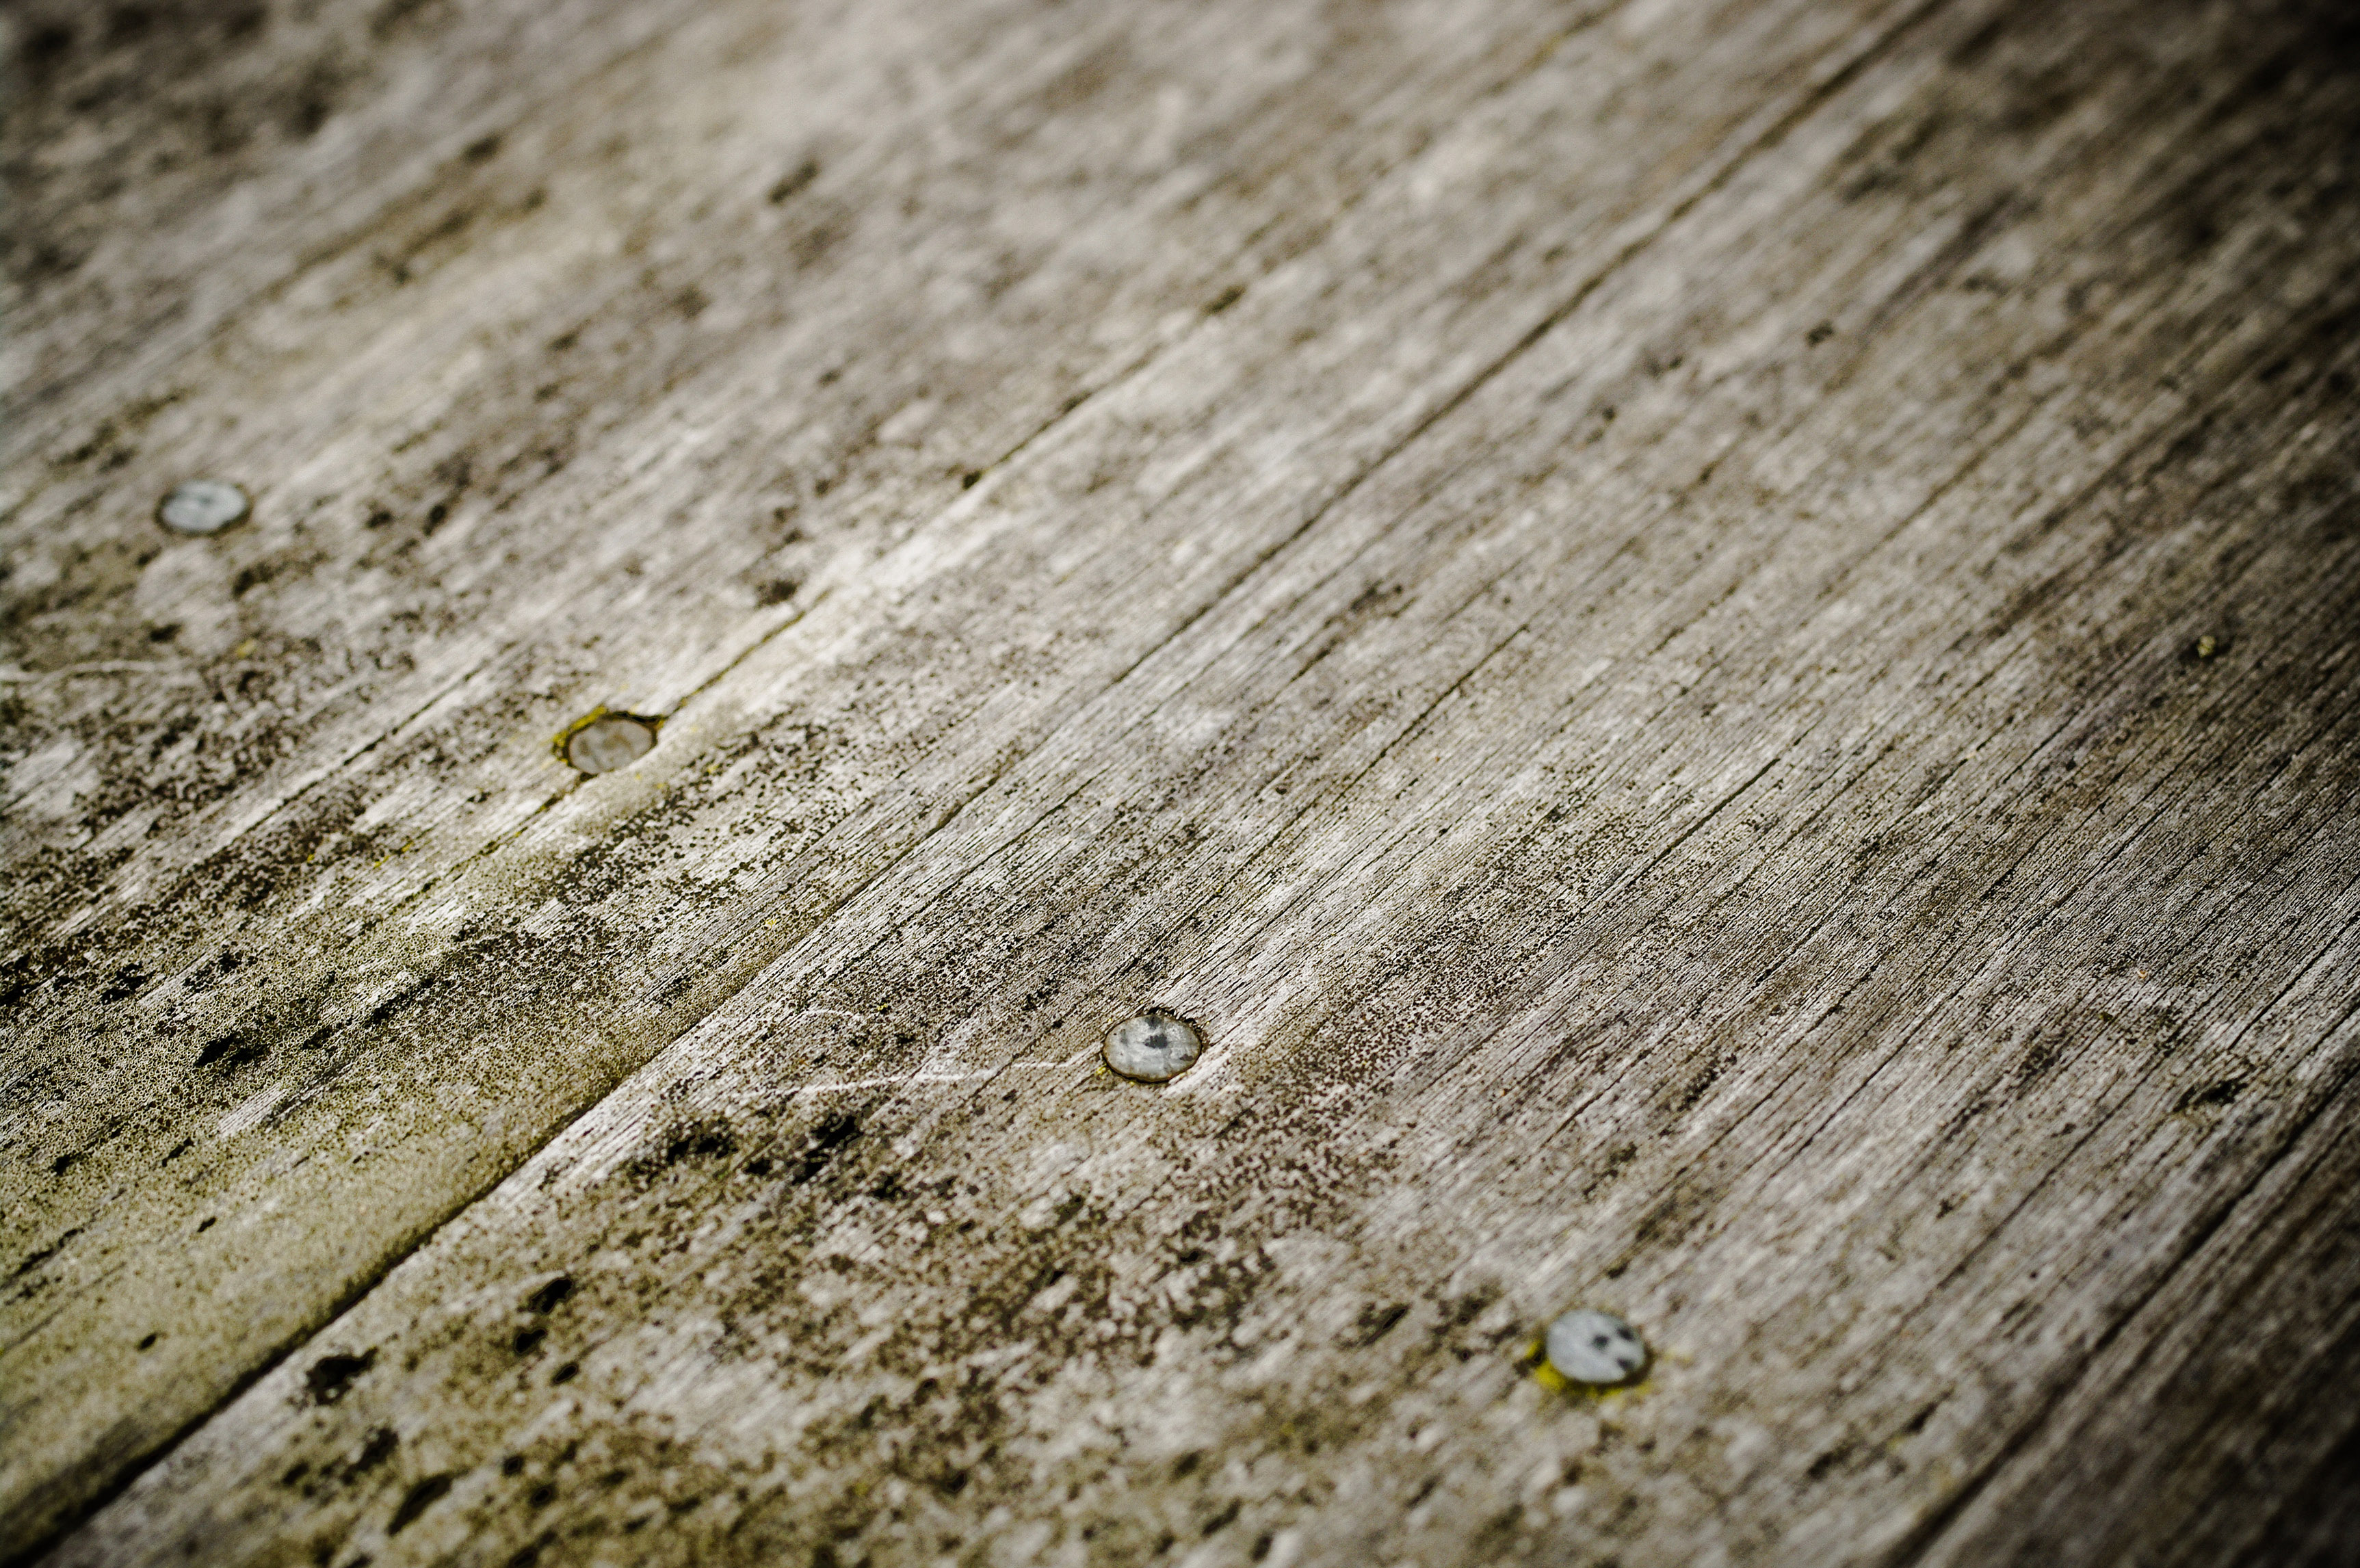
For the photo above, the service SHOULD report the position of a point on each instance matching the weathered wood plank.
(342, 873)
(1678, 770)
(171, 163)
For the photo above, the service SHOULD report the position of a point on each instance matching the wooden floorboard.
(1713, 641)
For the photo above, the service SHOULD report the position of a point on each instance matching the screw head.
(613, 740)
(1596, 1348)
(1155, 1047)
(202, 506)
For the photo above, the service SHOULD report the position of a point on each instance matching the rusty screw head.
(1595, 1348)
(613, 740)
(202, 506)
(1155, 1047)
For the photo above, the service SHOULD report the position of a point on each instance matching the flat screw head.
(615, 740)
(202, 506)
(1155, 1047)
(1595, 1348)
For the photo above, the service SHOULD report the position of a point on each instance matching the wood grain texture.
(1714, 642)
(383, 720)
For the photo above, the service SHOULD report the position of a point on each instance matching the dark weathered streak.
(1713, 640)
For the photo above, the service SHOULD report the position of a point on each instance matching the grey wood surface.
(1713, 640)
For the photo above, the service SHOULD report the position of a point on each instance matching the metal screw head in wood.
(202, 506)
(1596, 1348)
(1153, 1046)
(614, 740)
